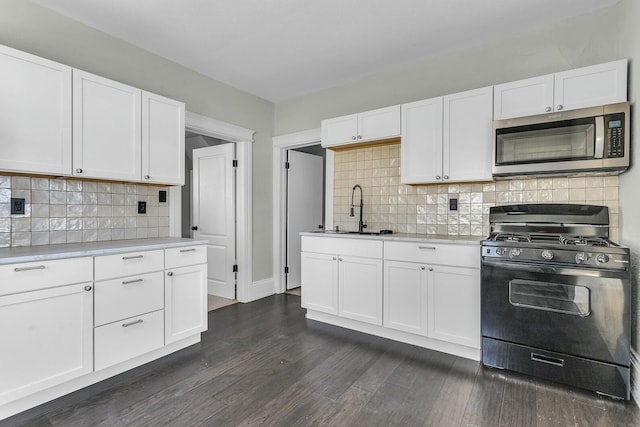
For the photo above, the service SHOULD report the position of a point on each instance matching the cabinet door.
(162, 140)
(421, 144)
(339, 131)
(106, 128)
(377, 124)
(35, 114)
(360, 289)
(185, 293)
(319, 279)
(47, 339)
(454, 305)
(467, 136)
(523, 98)
(405, 296)
(591, 86)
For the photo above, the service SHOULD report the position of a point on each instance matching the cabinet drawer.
(349, 247)
(433, 253)
(128, 296)
(30, 276)
(126, 339)
(188, 255)
(128, 264)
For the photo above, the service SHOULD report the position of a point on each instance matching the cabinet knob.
(559, 107)
(335, 258)
(430, 268)
(339, 259)
(446, 177)
(422, 267)
(170, 274)
(147, 177)
(359, 136)
(438, 177)
(353, 137)
(548, 109)
(87, 288)
(79, 170)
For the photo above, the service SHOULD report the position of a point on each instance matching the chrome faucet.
(361, 225)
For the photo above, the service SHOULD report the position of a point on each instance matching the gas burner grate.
(512, 237)
(583, 241)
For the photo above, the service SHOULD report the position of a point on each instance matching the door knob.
(194, 228)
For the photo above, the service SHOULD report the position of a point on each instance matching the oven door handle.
(543, 269)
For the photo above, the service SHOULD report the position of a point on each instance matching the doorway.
(305, 203)
(209, 211)
(281, 147)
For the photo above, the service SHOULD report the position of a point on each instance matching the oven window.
(561, 141)
(567, 299)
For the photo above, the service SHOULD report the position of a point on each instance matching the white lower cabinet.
(47, 338)
(127, 338)
(319, 278)
(360, 289)
(405, 296)
(335, 280)
(185, 293)
(422, 292)
(454, 305)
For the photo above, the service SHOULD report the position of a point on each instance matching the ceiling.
(282, 49)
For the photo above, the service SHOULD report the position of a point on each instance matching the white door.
(304, 210)
(214, 214)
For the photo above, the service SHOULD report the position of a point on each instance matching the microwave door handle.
(599, 148)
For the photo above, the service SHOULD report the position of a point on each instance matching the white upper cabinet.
(569, 90)
(447, 139)
(523, 98)
(371, 125)
(466, 152)
(35, 114)
(162, 140)
(106, 128)
(421, 144)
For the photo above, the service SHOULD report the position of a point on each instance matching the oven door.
(579, 312)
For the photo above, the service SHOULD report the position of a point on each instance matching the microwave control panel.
(614, 146)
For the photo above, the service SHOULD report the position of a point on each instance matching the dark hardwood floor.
(263, 364)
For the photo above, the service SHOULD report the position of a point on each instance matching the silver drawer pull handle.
(37, 267)
(132, 257)
(427, 247)
(546, 359)
(135, 322)
(128, 282)
(188, 250)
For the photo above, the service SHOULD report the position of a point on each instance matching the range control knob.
(515, 252)
(500, 251)
(602, 258)
(581, 257)
(547, 254)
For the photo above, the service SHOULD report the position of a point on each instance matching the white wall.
(37, 30)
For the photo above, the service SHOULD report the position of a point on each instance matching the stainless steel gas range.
(556, 296)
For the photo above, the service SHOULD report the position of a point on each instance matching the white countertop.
(74, 250)
(403, 237)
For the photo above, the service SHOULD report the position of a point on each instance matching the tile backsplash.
(424, 209)
(70, 210)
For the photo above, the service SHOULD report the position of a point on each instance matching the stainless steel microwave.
(589, 139)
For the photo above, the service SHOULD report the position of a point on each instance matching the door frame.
(243, 140)
(281, 144)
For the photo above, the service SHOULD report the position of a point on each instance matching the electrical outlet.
(17, 206)
(453, 204)
(162, 196)
(142, 207)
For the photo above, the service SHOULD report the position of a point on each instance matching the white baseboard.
(635, 376)
(261, 289)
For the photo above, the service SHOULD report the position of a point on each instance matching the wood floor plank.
(329, 376)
